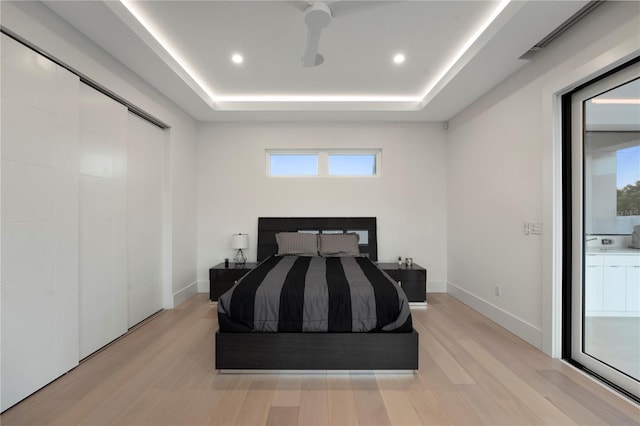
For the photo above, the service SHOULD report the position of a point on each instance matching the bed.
(384, 340)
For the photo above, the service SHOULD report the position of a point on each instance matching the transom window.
(293, 164)
(323, 163)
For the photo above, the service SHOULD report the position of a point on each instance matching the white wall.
(183, 184)
(40, 26)
(503, 171)
(409, 199)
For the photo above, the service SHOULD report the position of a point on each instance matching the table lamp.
(239, 242)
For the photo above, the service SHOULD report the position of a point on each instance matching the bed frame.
(316, 351)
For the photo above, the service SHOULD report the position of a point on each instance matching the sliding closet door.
(39, 222)
(144, 207)
(103, 220)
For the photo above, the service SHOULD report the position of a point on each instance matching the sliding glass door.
(605, 323)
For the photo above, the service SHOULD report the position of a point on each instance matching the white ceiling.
(184, 48)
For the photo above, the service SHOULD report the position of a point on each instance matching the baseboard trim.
(517, 326)
(182, 295)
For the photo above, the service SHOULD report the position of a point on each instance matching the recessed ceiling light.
(236, 58)
(398, 59)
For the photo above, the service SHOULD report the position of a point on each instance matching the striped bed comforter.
(315, 294)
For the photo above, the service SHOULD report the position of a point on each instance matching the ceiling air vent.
(562, 28)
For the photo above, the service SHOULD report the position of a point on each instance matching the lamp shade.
(240, 241)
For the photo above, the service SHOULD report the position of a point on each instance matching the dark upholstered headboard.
(268, 227)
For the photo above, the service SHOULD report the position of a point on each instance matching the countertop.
(612, 250)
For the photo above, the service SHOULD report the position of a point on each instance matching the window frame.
(323, 161)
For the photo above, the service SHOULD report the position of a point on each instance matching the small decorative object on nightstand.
(412, 279)
(239, 242)
(222, 278)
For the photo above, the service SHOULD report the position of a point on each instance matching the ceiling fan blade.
(348, 7)
(298, 4)
(310, 54)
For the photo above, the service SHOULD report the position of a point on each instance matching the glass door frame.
(576, 246)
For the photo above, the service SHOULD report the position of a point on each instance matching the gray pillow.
(297, 243)
(339, 244)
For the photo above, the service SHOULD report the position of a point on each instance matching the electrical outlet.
(535, 227)
(606, 241)
(498, 290)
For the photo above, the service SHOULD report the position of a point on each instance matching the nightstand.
(222, 279)
(412, 279)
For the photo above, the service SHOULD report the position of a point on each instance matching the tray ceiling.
(454, 52)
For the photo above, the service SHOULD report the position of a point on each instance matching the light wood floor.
(471, 372)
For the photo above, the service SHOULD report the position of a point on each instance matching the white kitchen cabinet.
(593, 284)
(612, 284)
(615, 288)
(633, 289)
